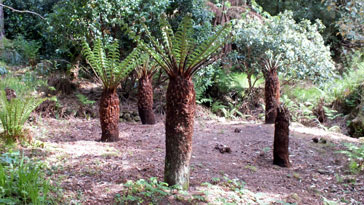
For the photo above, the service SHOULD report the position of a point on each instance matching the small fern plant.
(13, 115)
(110, 71)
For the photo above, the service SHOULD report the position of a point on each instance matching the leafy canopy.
(178, 53)
(300, 46)
(73, 20)
(107, 65)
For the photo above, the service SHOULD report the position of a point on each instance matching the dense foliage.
(343, 19)
(295, 45)
(21, 181)
(73, 20)
(51, 45)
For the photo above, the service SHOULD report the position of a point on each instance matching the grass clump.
(21, 181)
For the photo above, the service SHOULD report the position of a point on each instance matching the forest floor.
(92, 172)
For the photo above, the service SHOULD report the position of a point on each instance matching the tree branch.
(22, 11)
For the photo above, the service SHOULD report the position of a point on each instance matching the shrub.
(28, 49)
(297, 45)
(355, 155)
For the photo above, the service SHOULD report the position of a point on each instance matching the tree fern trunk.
(272, 95)
(281, 139)
(109, 115)
(145, 101)
(180, 113)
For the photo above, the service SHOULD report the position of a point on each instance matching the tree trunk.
(109, 115)
(2, 28)
(145, 101)
(180, 113)
(281, 138)
(272, 95)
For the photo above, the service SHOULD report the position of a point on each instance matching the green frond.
(147, 68)
(106, 64)
(209, 46)
(157, 57)
(14, 113)
(159, 49)
(168, 37)
(183, 41)
(179, 55)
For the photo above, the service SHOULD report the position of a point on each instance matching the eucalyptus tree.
(145, 74)
(110, 71)
(181, 57)
(303, 54)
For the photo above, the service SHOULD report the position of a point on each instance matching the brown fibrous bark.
(109, 115)
(10, 94)
(281, 138)
(180, 113)
(145, 100)
(272, 95)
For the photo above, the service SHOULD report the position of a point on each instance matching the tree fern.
(106, 63)
(14, 113)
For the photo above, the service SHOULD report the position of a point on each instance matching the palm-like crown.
(107, 66)
(178, 54)
(147, 68)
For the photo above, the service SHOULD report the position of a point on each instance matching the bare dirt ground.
(91, 172)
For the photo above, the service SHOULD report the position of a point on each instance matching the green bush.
(346, 89)
(355, 155)
(21, 181)
(8, 52)
(28, 49)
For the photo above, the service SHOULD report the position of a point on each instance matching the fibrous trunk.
(281, 138)
(272, 89)
(109, 115)
(145, 101)
(179, 130)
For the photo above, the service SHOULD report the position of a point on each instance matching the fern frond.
(209, 46)
(14, 113)
(183, 41)
(157, 57)
(168, 37)
(159, 49)
(179, 55)
(107, 67)
(147, 68)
